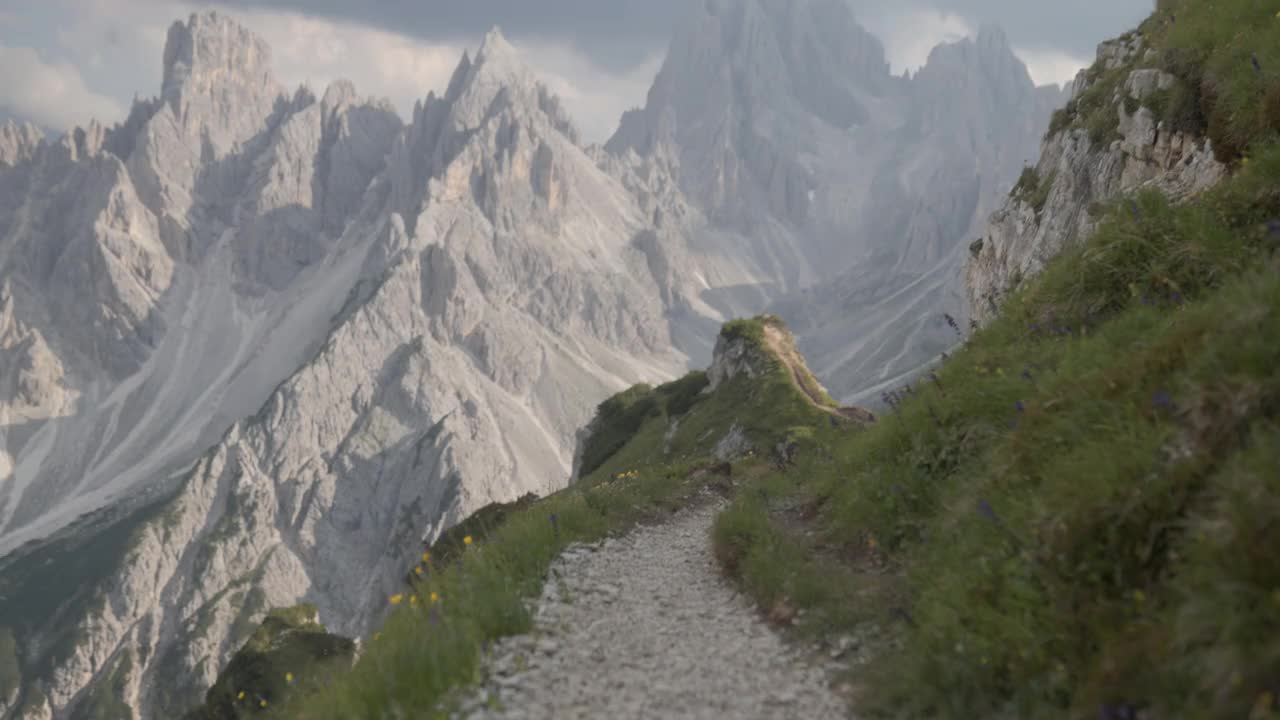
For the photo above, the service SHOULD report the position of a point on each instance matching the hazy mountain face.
(785, 127)
(322, 334)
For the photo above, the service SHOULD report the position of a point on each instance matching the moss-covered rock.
(288, 653)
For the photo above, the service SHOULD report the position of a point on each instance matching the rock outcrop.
(1078, 170)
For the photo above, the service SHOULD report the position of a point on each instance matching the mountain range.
(258, 345)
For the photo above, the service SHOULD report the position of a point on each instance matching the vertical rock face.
(1077, 171)
(18, 142)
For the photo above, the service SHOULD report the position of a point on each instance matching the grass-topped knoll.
(1077, 514)
(290, 644)
(431, 642)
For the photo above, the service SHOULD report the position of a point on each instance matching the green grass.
(1073, 516)
(1211, 49)
(428, 649)
(1033, 189)
(288, 652)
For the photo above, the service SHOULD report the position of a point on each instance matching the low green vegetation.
(1225, 57)
(290, 652)
(1033, 189)
(471, 586)
(1074, 515)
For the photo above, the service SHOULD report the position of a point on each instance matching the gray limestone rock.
(1019, 240)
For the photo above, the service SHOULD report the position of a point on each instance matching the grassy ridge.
(431, 643)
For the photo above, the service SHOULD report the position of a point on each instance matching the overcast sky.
(65, 61)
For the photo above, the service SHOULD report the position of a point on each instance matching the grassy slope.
(428, 647)
(1073, 518)
(1077, 517)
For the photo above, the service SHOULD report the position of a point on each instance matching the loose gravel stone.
(645, 626)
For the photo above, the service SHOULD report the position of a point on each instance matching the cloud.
(314, 52)
(910, 35)
(52, 94)
(594, 96)
(1051, 66)
(617, 34)
(117, 45)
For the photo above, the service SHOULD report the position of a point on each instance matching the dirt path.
(646, 627)
(784, 347)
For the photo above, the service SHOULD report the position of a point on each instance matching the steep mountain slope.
(972, 119)
(1131, 123)
(843, 183)
(1072, 516)
(437, 308)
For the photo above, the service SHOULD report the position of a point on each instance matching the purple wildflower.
(1019, 406)
(1176, 298)
(986, 511)
(1162, 399)
(897, 489)
(1026, 375)
(1133, 207)
(555, 524)
(1257, 66)
(1273, 227)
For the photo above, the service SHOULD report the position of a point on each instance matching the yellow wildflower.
(288, 677)
(413, 599)
(418, 571)
(240, 696)
(377, 635)
(262, 703)
(434, 597)
(466, 540)
(395, 599)
(1139, 596)
(426, 557)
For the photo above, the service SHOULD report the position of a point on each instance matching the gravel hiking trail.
(645, 626)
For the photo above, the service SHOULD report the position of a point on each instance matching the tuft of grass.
(1033, 189)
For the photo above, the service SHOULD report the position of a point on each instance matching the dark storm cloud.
(615, 33)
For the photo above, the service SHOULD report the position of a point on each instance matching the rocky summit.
(257, 343)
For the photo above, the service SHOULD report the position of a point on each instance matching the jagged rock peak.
(211, 51)
(497, 69)
(494, 46)
(18, 141)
